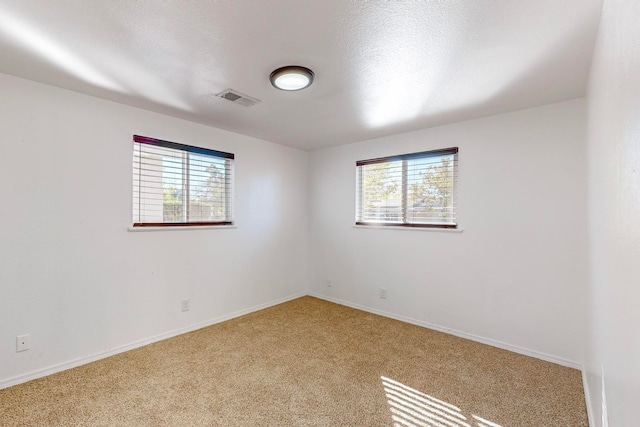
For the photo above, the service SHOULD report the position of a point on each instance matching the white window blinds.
(180, 185)
(413, 190)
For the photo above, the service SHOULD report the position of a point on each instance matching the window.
(180, 185)
(410, 190)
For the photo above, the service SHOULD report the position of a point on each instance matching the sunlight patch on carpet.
(412, 408)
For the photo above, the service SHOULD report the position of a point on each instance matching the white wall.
(77, 281)
(614, 221)
(74, 278)
(514, 277)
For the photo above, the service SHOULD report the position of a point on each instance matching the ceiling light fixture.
(291, 77)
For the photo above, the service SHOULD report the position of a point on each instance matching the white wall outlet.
(186, 304)
(22, 343)
(329, 282)
(383, 293)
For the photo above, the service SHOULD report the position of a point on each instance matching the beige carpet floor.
(306, 362)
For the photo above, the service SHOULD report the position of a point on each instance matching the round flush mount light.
(291, 77)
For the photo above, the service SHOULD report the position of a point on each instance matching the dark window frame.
(186, 149)
(404, 158)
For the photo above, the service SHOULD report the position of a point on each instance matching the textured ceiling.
(382, 67)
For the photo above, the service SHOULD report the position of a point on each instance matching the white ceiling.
(381, 67)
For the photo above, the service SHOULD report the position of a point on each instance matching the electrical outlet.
(383, 293)
(186, 304)
(329, 282)
(22, 343)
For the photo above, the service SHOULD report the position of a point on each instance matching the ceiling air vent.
(237, 98)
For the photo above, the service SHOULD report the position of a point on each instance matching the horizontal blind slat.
(175, 183)
(415, 188)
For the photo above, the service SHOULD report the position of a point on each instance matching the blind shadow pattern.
(412, 408)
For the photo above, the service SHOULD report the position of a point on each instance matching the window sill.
(181, 228)
(393, 227)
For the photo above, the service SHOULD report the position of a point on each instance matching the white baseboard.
(587, 398)
(103, 354)
(477, 338)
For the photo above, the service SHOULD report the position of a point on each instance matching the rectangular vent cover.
(237, 98)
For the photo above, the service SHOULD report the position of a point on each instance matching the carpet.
(307, 362)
